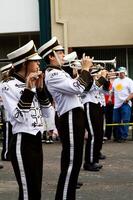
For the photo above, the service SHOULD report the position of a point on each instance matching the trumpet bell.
(112, 62)
(71, 61)
(70, 57)
(76, 65)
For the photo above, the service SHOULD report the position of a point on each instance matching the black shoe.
(91, 167)
(99, 165)
(101, 156)
(1, 166)
(79, 184)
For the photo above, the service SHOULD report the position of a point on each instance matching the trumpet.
(113, 75)
(73, 61)
(112, 62)
(98, 62)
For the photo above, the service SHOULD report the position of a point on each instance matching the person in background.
(49, 127)
(102, 90)
(65, 92)
(1, 165)
(6, 127)
(109, 130)
(122, 89)
(50, 133)
(25, 100)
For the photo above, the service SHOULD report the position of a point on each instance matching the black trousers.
(72, 129)
(94, 126)
(27, 162)
(7, 135)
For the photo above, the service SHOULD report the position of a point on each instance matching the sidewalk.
(113, 182)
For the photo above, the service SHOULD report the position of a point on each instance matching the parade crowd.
(72, 101)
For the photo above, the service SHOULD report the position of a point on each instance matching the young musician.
(65, 92)
(25, 100)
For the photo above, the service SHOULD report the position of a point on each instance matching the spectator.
(49, 127)
(122, 89)
(109, 107)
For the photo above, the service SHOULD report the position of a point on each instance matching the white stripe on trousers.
(71, 137)
(21, 166)
(91, 131)
(7, 139)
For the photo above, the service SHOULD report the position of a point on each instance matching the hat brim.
(58, 48)
(122, 71)
(5, 68)
(34, 57)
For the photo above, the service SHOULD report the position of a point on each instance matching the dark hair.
(11, 72)
(46, 59)
(7, 74)
(17, 68)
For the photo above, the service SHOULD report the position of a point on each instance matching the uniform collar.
(54, 67)
(19, 77)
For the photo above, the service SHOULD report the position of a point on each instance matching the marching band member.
(65, 91)
(25, 100)
(94, 123)
(6, 127)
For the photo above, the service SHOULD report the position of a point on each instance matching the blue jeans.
(122, 115)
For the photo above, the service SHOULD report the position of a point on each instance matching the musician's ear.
(51, 57)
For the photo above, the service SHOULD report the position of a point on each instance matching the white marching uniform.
(65, 92)
(27, 113)
(93, 102)
(26, 109)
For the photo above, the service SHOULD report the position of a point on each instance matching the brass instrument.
(112, 62)
(73, 61)
(113, 75)
(98, 62)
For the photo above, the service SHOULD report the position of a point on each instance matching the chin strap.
(57, 58)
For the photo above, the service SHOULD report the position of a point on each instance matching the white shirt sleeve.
(63, 83)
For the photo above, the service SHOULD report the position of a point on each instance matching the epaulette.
(10, 78)
(49, 69)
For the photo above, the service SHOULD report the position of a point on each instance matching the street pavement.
(113, 182)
